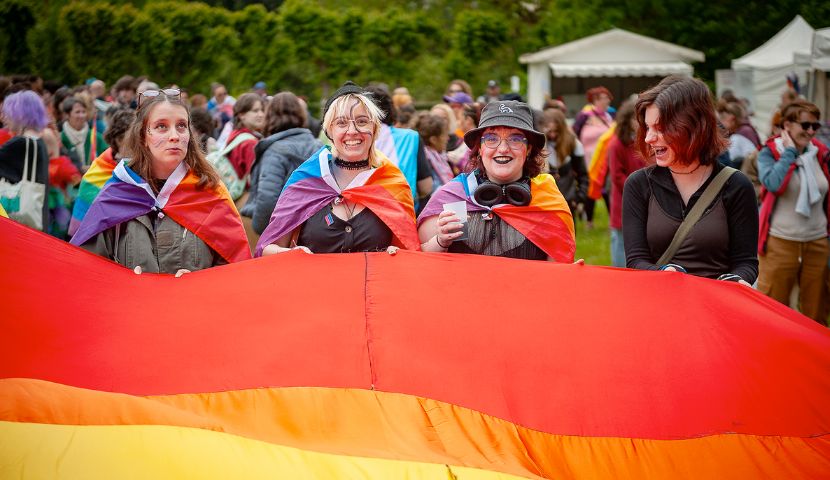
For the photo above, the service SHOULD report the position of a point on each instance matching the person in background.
(165, 209)
(590, 124)
(83, 143)
(793, 169)
(514, 210)
(434, 133)
(447, 113)
(25, 116)
(348, 199)
(248, 122)
(261, 89)
(565, 158)
(493, 93)
(623, 160)
(287, 144)
(678, 131)
(203, 126)
(460, 157)
(742, 137)
(98, 91)
(459, 86)
(123, 91)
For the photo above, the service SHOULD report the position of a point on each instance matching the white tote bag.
(23, 200)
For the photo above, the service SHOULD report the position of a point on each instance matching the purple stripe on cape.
(450, 192)
(297, 203)
(118, 202)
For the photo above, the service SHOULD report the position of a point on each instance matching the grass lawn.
(594, 245)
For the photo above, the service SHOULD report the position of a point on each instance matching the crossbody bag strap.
(695, 213)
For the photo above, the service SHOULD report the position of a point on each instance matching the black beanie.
(347, 88)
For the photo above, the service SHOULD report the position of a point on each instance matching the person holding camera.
(514, 210)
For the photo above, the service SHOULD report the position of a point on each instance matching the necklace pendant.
(338, 200)
(487, 216)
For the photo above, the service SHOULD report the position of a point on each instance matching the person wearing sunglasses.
(165, 209)
(514, 210)
(793, 246)
(350, 198)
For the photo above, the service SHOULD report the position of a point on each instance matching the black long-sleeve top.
(725, 240)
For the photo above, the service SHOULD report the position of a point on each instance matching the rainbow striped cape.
(598, 168)
(365, 378)
(209, 214)
(547, 221)
(311, 187)
(94, 179)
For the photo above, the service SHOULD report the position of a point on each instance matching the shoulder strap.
(242, 137)
(695, 213)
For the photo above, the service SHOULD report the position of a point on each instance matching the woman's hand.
(392, 250)
(449, 228)
(181, 272)
(786, 139)
(274, 249)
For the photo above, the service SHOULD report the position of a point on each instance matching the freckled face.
(168, 133)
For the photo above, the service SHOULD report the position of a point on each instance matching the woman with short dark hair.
(678, 131)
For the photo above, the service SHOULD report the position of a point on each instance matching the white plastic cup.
(460, 211)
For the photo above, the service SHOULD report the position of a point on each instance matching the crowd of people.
(161, 181)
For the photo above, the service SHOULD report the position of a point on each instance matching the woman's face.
(602, 102)
(77, 117)
(353, 134)
(663, 153)
(800, 136)
(503, 154)
(254, 119)
(167, 136)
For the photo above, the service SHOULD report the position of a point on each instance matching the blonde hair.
(340, 108)
(453, 124)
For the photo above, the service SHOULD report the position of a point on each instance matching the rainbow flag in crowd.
(311, 187)
(547, 221)
(209, 214)
(598, 167)
(94, 179)
(244, 371)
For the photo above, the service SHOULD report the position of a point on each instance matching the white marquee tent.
(761, 75)
(819, 92)
(623, 61)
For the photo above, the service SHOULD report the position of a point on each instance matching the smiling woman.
(515, 210)
(164, 210)
(349, 199)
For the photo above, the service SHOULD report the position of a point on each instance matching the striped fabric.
(93, 180)
(311, 187)
(375, 376)
(209, 214)
(547, 221)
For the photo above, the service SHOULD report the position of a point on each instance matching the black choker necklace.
(358, 165)
(686, 173)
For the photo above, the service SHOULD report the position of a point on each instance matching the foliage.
(312, 47)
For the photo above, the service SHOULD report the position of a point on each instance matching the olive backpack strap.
(695, 213)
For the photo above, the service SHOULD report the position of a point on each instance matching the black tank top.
(325, 232)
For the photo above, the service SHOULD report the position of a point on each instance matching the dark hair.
(124, 83)
(687, 120)
(732, 108)
(120, 120)
(405, 113)
(244, 104)
(141, 160)
(383, 100)
(284, 111)
(201, 120)
(793, 110)
(69, 103)
(593, 93)
(429, 126)
(624, 131)
(473, 111)
(536, 158)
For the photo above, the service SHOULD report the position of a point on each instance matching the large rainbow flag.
(209, 214)
(547, 221)
(311, 187)
(380, 375)
(91, 184)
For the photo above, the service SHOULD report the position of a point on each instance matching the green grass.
(594, 245)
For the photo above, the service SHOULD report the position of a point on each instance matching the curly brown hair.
(141, 160)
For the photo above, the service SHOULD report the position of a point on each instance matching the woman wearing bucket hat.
(347, 199)
(514, 210)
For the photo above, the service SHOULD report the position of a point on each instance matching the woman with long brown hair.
(164, 210)
(565, 158)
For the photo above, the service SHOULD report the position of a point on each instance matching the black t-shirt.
(325, 232)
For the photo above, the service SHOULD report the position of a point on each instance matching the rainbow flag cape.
(598, 168)
(94, 179)
(547, 221)
(382, 190)
(166, 378)
(209, 214)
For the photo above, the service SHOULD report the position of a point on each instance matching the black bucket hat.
(506, 113)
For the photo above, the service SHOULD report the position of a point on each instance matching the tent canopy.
(778, 51)
(821, 50)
